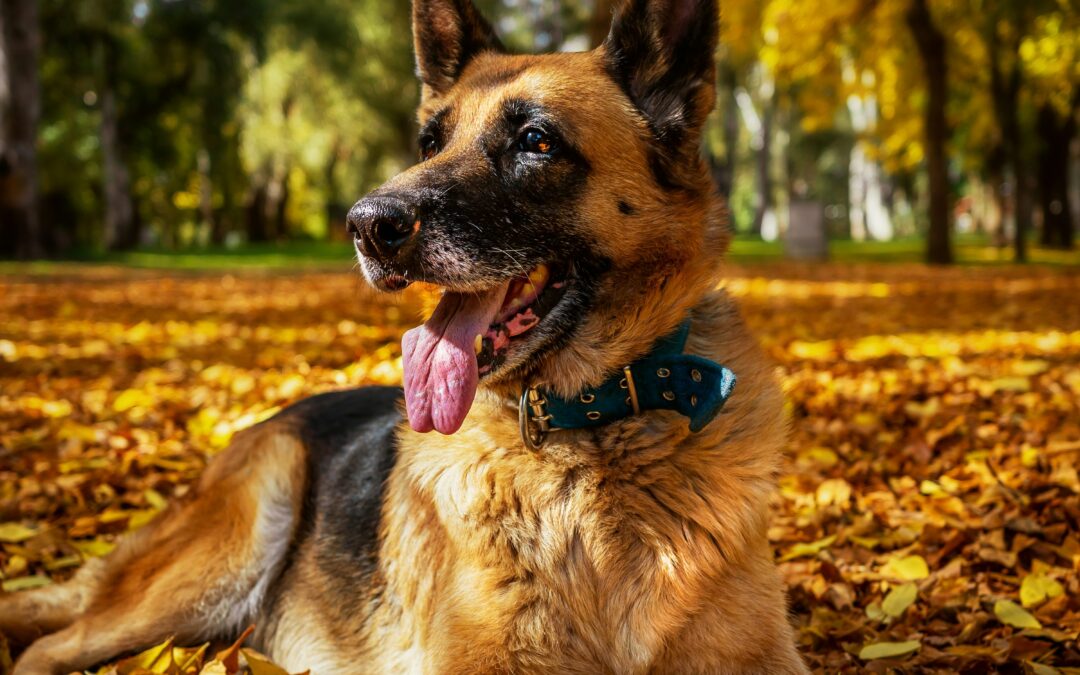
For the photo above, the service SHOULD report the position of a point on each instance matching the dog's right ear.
(447, 34)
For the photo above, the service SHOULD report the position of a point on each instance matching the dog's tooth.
(478, 344)
(539, 275)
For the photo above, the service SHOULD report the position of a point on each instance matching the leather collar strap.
(665, 379)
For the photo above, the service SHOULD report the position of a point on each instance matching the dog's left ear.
(662, 53)
(447, 34)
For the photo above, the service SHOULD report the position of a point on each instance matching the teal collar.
(664, 379)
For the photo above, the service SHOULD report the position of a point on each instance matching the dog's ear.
(446, 35)
(662, 54)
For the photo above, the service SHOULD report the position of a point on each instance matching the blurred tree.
(20, 106)
(932, 49)
(1006, 22)
(1051, 61)
(1056, 131)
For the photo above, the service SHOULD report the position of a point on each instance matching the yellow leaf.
(886, 650)
(95, 548)
(804, 549)
(156, 660)
(141, 517)
(820, 456)
(1012, 614)
(24, 583)
(931, 489)
(875, 613)
(865, 542)
(131, 398)
(1042, 669)
(154, 499)
(13, 533)
(833, 491)
(1012, 384)
(113, 515)
(188, 661)
(1029, 367)
(14, 567)
(215, 667)
(911, 568)
(59, 408)
(1037, 588)
(866, 420)
(899, 599)
(63, 563)
(812, 350)
(1029, 456)
(260, 665)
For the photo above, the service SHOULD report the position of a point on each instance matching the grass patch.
(311, 256)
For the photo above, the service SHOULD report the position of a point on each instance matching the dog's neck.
(666, 377)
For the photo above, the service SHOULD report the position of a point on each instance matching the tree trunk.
(763, 194)
(1055, 135)
(334, 209)
(258, 224)
(20, 109)
(281, 208)
(1005, 91)
(995, 165)
(931, 45)
(119, 214)
(731, 132)
(206, 195)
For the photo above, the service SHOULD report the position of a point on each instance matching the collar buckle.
(534, 421)
(628, 383)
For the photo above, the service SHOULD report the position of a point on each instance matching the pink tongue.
(439, 360)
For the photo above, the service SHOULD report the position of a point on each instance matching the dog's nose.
(382, 226)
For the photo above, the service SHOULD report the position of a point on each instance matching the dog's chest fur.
(589, 556)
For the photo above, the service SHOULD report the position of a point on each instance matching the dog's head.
(560, 200)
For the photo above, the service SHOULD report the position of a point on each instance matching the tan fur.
(637, 547)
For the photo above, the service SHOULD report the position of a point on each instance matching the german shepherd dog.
(562, 204)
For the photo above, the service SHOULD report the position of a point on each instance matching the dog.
(570, 481)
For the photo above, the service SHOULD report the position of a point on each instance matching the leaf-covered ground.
(928, 518)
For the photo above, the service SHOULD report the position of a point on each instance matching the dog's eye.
(535, 141)
(428, 147)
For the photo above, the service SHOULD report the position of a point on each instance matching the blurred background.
(919, 128)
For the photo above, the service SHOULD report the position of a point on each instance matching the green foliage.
(264, 120)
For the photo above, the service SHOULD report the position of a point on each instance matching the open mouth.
(472, 334)
(528, 300)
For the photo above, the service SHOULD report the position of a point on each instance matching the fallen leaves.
(927, 520)
(949, 403)
(169, 659)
